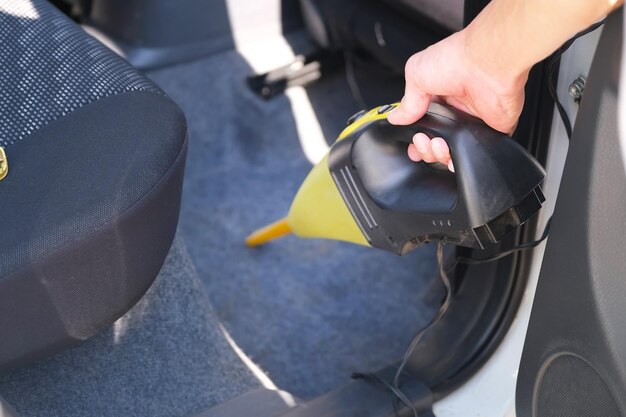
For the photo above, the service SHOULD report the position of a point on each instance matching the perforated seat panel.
(50, 68)
(90, 206)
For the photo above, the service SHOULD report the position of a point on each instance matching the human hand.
(452, 72)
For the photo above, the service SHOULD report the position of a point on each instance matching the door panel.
(574, 359)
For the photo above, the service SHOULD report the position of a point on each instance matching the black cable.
(442, 310)
(552, 81)
(373, 378)
(552, 89)
(353, 83)
(500, 255)
(394, 386)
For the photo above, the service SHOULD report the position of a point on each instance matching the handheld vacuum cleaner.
(366, 190)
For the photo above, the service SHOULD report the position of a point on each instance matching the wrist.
(492, 62)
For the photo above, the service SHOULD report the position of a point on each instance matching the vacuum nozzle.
(318, 210)
(270, 232)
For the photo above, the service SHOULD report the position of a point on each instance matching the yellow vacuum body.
(367, 191)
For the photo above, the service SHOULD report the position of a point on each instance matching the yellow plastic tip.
(270, 232)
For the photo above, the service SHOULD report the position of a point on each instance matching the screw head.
(577, 87)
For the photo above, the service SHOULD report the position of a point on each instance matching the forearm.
(510, 36)
(483, 69)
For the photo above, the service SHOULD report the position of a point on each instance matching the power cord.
(500, 255)
(440, 313)
(394, 386)
(353, 83)
(552, 79)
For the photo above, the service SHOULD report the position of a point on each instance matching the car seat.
(89, 208)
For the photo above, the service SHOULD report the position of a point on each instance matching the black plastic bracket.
(304, 70)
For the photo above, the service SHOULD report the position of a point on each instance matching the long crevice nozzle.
(270, 232)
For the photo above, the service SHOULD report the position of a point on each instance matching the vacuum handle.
(491, 168)
(451, 124)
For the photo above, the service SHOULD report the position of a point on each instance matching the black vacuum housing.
(400, 204)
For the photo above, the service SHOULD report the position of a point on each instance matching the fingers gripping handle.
(461, 132)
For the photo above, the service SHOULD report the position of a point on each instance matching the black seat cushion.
(90, 206)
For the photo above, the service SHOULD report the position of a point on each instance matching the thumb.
(415, 102)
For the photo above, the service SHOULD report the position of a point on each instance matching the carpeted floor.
(166, 357)
(310, 312)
